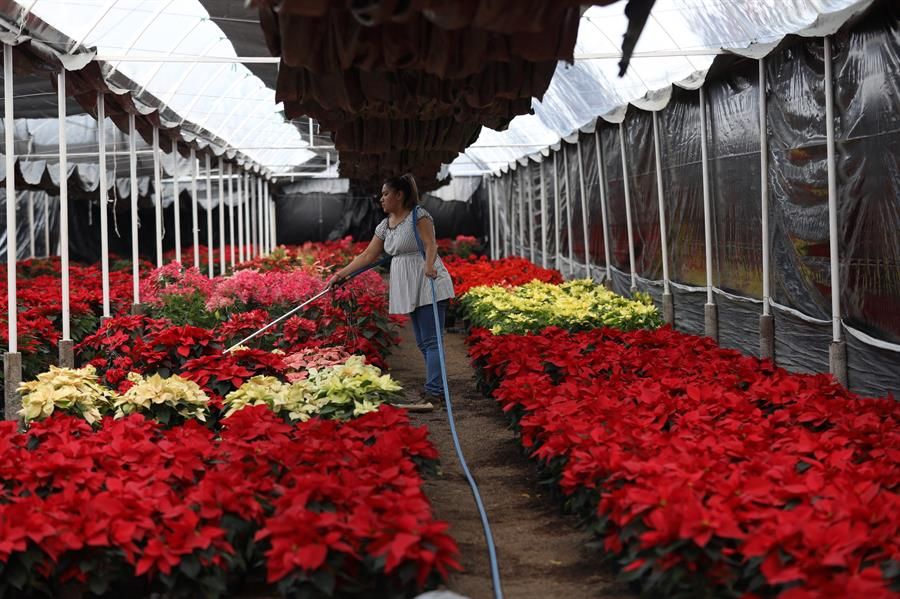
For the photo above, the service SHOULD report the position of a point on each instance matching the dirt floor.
(540, 550)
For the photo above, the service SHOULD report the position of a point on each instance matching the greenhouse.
(321, 298)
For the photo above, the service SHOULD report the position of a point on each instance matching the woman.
(410, 288)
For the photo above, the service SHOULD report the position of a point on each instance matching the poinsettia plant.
(705, 472)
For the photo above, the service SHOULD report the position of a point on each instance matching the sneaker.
(419, 404)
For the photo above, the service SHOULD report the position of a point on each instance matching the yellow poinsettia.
(154, 394)
(74, 390)
(574, 305)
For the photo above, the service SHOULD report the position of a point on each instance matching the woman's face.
(391, 200)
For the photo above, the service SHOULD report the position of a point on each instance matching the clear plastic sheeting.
(45, 224)
(867, 129)
(678, 46)
(225, 99)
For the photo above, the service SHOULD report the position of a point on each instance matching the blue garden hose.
(488, 536)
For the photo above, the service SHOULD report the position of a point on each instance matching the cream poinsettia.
(74, 390)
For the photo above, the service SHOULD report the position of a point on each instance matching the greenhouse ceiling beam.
(187, 58)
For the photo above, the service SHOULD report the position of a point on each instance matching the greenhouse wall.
(866, 67)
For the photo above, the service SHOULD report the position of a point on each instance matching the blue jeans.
(427, 341)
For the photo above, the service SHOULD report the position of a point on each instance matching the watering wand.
(337, 283)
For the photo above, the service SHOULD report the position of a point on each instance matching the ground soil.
(541, 551)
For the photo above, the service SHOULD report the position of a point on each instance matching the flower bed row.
(320, 509)
(705, 472)
(168, 464)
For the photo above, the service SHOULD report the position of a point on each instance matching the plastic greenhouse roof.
(224, 98)
(677, 47)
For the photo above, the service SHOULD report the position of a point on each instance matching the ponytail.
(406, 185)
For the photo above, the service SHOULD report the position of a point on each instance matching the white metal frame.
(210, 242)
(628, 219)
(195, 217)
(103, 193)
(660, 196)
(132, 164)
(157, 192)
(584, 212)
(9, 127)
(707, 201)
(176, 200)
(604, 217)
(834, 249)
(764, 186)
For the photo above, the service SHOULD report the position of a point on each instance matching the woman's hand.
(431, 271)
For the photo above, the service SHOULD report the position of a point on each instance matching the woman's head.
(399, 193)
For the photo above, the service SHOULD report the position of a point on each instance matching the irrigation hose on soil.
(488, 536)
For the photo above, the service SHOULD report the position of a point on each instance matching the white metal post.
(832, 197)
(274, 209)
(522, 209)
(663, 242)
(12, 359)
(837, 353)
(177, 204)
(63, 203)
(544, 231)
(195, 225)
(30, 197)
(766, 321)
(104, 194)
(132, 164)
(47, 224)
(530, 216)
(9, 126)
(260, 240)
(764, 184)
(556, 222)
(707, 208)
(571, 248)
(221, 218)
(486, 181)
(601, 176)
(231, 240)
(628, 220)
(157, 188)
(210, 242)
(711, 318)
(240, 210)
(584, 212)
(248, 190)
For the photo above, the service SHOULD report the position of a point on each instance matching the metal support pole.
(530, 214)
(274, 224)
(31, 224)
(601, 175)
(177, 204)
(210, 242)
(628, 218)
(135, 258)
(584, 213)
(667, 303)
(766, 321)
(260, 220)
(571, 248)
(47, 223)
(240, 208)
(12, 359)
(157, 188)
(195, 225)
(103, 197)
(711, 315)
(556, 222)
(231, 240)
(221, 219)
(66, 346)
(838, 349)
(544, 231)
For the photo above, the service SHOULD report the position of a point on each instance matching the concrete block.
(67, 353)
(711, 321)
(837, 361)
(12, 372)
(668, 308)
(137, 309)
(767, 337)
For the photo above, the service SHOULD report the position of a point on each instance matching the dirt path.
(540, 550)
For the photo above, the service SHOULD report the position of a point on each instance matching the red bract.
(162, 499)
(708, 469)
(505, 272)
